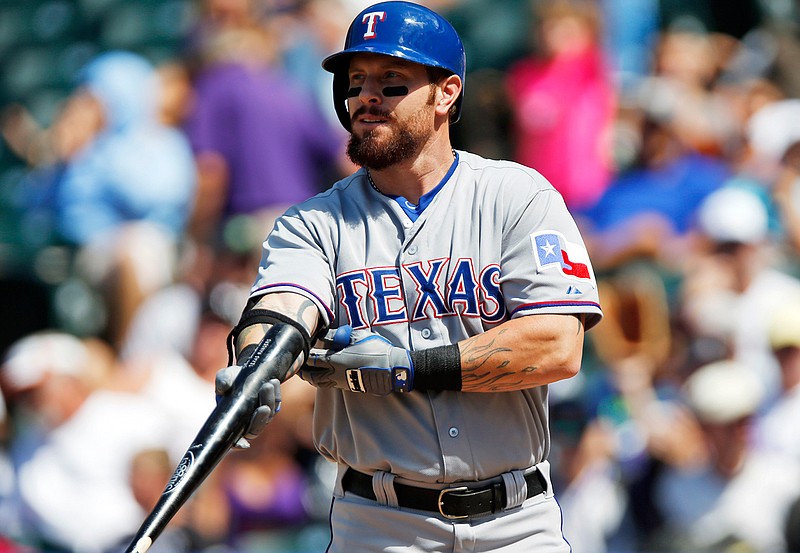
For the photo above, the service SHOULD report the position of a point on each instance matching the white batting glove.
(269, 400)
(359, 361)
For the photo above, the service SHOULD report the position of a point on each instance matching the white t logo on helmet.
(371, 19)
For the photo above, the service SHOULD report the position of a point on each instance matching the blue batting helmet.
(402, 30)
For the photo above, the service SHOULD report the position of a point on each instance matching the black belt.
(453, 503)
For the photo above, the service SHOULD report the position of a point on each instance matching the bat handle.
(228, 422)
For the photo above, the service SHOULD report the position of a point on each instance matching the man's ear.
(450, 91)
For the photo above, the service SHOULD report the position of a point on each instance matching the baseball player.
(450, 290)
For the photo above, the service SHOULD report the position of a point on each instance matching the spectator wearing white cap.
(736, 281)
(738, 499)
(769, 132)
(71, 459)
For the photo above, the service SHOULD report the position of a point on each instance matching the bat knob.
(143, 544)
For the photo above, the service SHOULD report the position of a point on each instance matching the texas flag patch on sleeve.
(553, 252)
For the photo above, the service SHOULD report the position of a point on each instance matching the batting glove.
(359, 361)
(269, 399)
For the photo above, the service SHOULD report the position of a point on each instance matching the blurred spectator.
(681, 91)
(739, 497)
(177, 94)
(215, 17)
(271, 492)
(307, 31)
(771, 130)
(630, 34)
(780, 25)
(200, 524)
(178, 382)
(638, 429)
(10, 520)
(735, 282)
(150, 472)
(648, 209)
(71, 456)
(270, 495)
(82, 423)
(786, 193)
(592, 497)
(126, 197)
(776, 427)
(564, 103)
(255, 157)
(635, 420)
(179, 387)
(134, 169)
(116, 185)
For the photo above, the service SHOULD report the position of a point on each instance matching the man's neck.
(413, 178)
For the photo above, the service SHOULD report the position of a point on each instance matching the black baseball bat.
(228, 422)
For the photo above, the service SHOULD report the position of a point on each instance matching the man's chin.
(382, 133)
(383, 147)
(370, 151)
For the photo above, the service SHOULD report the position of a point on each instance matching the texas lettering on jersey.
(416, 291)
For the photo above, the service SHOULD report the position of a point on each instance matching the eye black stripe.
(395, 91)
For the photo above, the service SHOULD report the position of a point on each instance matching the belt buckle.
(440, 503)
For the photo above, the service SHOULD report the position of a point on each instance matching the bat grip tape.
(264, 316)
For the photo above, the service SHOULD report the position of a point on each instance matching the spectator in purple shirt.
(260, 142)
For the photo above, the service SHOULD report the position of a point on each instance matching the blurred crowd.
(672, 129)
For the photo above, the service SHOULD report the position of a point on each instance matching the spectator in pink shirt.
(564, 103)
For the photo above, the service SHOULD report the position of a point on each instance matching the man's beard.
(380, 152)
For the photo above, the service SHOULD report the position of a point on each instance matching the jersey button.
(453, 431)
(426, 333)
(412, 250)
(407, 224)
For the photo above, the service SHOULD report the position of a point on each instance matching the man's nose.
(370, 92)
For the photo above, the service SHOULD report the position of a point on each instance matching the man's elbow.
(565, 364)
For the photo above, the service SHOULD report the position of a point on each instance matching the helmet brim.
(340, 61)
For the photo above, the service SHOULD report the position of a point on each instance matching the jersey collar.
(414, 211)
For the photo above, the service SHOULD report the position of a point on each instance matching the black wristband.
(437, 368)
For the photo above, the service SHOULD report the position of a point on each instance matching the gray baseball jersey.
(494, 241)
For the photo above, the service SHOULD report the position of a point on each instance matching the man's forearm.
(294, 306)
(519, 354)
(522, 353)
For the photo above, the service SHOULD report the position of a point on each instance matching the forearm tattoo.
(304, 311)
(488, 365)
(485, 366)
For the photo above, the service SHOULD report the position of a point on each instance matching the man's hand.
(359, 361)
(269, 401)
